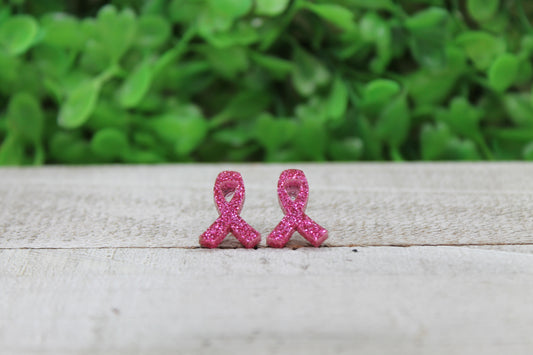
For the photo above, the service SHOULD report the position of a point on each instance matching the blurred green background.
(131, 81)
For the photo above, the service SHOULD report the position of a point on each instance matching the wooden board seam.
(265, 247)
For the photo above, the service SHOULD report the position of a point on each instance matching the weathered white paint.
(361, 204)
(379, 300)
(104, 260)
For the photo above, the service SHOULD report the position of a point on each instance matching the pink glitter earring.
(293, 192)
(229, 182)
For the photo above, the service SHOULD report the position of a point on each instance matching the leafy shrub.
(275, 80)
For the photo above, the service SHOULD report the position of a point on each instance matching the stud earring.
(293, 192)
(227, 183)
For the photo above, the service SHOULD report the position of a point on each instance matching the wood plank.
(361, 204)
(378, 300)
(516, 248)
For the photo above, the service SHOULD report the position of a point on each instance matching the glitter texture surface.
(293, 192)
(227, 183)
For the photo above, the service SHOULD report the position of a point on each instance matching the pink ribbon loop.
(229, 221)
(293, 192)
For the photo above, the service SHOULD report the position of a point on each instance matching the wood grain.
(437, 300)
(361, 204)
(378, 300)
(105, 260)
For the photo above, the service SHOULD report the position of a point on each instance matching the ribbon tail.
(281, 234)
(244, 233)
(312, 231)
(215, 234)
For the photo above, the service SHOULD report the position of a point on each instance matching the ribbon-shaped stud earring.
(226, 184)
(293, 192)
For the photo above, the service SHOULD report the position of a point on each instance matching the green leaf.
(272, 133)
(373, 4)
(67, 147)
(52, 60)
(372, 26)
(264, 72)
(428, 36)
(503, 72)
(457, 149)
(153, 31)
(109, 143)
(482, 10)
(79, 105)
(528, 151)
(277, 66)
(428, 48)
(309, 73)
(374, 29)
(499, 23)
(237, 137)
(29, 80)
(433, 85)
(242, 34)
(520, 109)
(146, 140)
(462, 118)
(3, 127)
(194, 131)
(315, 108)
(136, 85)
(512, 134)
(154, 7)
(171, 55)
(140, 156)
(108, 114)
(185, 11)
(525, 68)
(116, 30)
(311, 140)
(428, 18)
(231, 8)
(25, 117)
(11, 151)
(183, 130)
(270, 7)
(430, 88)
(378, 93)
(371, 142)
(210, 22)
(244, 105)
(62, 30)
(17, 34)
(338, 99)
(9, 72)
(526, 44)
(95, 58)
(481, 47)
(228, 61)
(349, 149)
(434, 140)
(507, 150)
(336, 14)
(394, 122)
(5, 12)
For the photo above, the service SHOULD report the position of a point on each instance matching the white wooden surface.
(104, 260)
(361, 204)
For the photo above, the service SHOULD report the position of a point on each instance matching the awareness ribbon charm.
(293, 192)
(229, 182)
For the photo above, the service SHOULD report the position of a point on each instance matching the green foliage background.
(264, 80)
